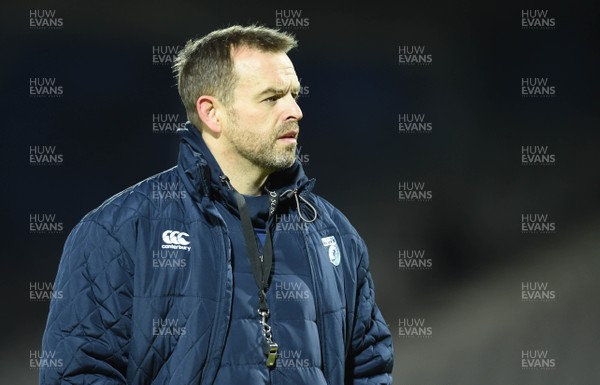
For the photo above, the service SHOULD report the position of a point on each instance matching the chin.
(279, 166)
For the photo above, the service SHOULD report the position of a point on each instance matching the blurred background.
(505, 164)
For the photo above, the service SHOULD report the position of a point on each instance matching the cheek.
(261, 121)
(260, 125)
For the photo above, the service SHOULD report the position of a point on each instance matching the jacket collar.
(202, 175)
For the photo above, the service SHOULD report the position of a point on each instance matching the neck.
(245, 180)
(245, 177)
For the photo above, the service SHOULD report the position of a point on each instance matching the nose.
(293, 110)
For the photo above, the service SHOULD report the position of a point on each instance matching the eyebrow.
(278, 91)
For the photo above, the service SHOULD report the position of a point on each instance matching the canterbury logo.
(175, 240)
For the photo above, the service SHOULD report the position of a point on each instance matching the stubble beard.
(266, 152)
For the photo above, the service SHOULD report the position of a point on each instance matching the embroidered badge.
(334, 251)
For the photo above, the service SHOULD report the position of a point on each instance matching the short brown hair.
(204, 65)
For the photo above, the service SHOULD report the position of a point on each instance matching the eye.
(272, 99)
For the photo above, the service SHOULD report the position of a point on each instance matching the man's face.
(262, 122)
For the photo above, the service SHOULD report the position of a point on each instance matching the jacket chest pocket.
(327, 260)
(174, 259)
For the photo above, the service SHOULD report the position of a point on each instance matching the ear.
(208, 109)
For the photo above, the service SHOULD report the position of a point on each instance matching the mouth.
(289, 137)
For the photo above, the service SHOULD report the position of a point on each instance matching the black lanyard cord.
(261, 263)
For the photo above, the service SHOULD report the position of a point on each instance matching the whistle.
(270, 350)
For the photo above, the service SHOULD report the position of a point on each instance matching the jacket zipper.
(315, 282)
(319, 313)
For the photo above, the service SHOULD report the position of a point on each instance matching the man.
(241, 274)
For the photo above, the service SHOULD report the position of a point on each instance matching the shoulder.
(332, 215)
(141, 200)
(333, 223)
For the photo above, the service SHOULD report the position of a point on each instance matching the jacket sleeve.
(89, 320)
(371, 353)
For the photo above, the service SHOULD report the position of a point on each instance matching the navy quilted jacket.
(115, 296)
